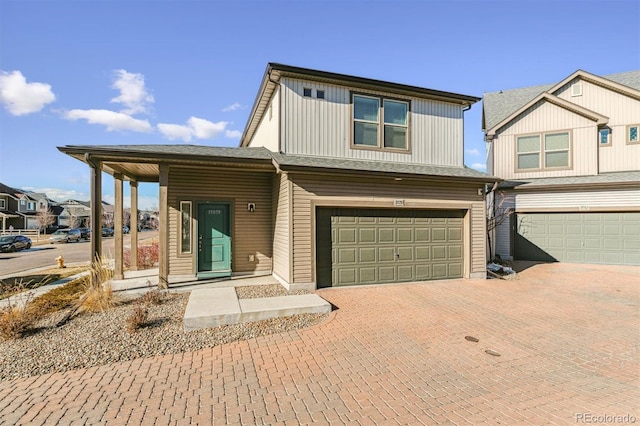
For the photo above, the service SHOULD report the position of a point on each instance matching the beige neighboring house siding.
(268, 131)
(622, 111)
(310, 191)
(322, 127)
(251, 233)
(547, 117)
(281, 222)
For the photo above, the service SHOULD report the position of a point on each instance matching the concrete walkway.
(567, 336)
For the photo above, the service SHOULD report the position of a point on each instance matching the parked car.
(11, 243)
(107, 232)
(65, 236)
(125, 229)
(85, 233)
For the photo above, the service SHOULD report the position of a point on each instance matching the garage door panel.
(379, 246)
(607, 237)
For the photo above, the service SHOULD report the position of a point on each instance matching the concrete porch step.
(213, 307)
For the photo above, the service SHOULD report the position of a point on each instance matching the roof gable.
(547, 97)
(497, 106)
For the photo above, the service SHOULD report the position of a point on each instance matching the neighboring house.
(338, 180)
(19, 208)
(569, 153)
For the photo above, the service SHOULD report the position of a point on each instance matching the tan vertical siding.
(281, 209)
(268, 131)
(361, 193)
(251, 233)
(546, 117)
(621, 111)
(322, 127)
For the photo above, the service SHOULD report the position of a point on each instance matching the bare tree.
(497, 213)
(126, 218)
(45, 218)
(107, 219)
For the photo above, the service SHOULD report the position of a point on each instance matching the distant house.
(569, 153)
(19, 208)
(338, 180)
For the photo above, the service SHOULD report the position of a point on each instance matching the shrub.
(137, 318)
(147, 256)
(152, 297)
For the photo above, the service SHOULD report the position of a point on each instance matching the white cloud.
(474, 151)
(111, 119)
(20, 97)
(198, 128)
(479, 166)
(145, 202)
(233, 107)
(233, 134)
(175, 131)
(133, 94)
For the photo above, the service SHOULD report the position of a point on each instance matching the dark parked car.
(107, 232)
(85, 233)
(65, 236)
(11, 243)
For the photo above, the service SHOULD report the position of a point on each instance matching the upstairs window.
(543, 151)
(380, 123)
(633, 134)
(2, 204)
(604, 137)
(31, 205)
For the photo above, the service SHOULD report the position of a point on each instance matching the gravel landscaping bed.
(89, 340)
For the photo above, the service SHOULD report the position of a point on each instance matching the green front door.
(214, 241)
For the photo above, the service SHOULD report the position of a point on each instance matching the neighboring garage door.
(607, 238)
(371, 246)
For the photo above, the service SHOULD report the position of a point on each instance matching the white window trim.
(576, 89)
(3, 204)
(608, 143)
(542, 157)
(380, 123)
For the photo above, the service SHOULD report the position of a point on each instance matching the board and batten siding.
(342, 191)
(281, 221)
(621, 111)
(546, 117)
(267, 133)
(251, 232)
(322, 127)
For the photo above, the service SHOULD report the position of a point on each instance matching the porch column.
(163, 228)
(133, 226)
(96, 211)
(118, 273)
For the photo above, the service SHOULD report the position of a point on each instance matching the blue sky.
(157, 72)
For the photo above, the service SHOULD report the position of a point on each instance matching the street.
(44, 254)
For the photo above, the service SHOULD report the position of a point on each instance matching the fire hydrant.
(60, 261)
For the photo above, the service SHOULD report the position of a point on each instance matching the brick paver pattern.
(567, 335)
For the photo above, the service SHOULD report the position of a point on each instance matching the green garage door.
(368, 246)
(607, 238)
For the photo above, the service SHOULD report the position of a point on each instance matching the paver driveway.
(568, 336)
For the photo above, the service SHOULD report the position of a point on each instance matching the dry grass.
(98, 296)
(59, 298)
(16, 318)
(13, 285)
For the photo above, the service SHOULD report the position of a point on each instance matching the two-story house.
(569, 154)
(338, 180)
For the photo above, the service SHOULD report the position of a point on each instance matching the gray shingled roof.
(601, 179)
(285, 160)
(195, 150)
(499, 105)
